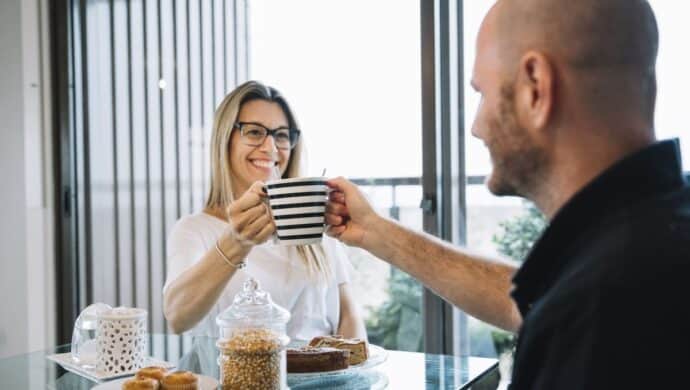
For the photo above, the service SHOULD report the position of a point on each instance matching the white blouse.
(314, 306)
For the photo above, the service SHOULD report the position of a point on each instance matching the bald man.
(567, 112)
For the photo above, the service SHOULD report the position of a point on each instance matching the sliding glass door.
(351, 70)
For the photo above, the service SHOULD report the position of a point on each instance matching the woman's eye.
(254, 133)
(282, 136)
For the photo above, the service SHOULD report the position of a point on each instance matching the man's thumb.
(340, 184)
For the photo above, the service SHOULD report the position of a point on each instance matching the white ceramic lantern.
(121, 340)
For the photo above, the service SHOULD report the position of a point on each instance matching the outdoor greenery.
(517, 235)
(395, 324)
(515, 240)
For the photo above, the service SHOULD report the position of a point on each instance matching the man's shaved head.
(582, 33)
(609, 45)
(568, 86)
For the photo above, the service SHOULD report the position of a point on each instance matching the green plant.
(517, 235)
(515, 239)
(397, 323)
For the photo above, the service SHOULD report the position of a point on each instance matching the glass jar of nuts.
(252, 341)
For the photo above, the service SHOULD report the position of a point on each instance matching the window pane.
(353, 81)
(477, 156)
(351, 73)
(673, 79)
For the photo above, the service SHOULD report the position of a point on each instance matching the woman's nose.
(269, 145)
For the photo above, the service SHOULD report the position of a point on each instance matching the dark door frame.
(443, 144)
(66, 267)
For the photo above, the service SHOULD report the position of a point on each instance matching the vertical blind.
(144, 78)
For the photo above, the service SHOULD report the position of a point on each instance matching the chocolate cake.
(359, 350)
(310, 359)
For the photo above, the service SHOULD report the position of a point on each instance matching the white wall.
(27, 319)
(13, 312)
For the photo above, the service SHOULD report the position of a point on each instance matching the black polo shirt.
(605, 292)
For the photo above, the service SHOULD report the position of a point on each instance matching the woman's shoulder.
(200, 225)
(198, 220)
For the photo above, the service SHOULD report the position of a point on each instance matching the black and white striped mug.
(298, 206)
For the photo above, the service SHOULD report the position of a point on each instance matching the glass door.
(351, 70)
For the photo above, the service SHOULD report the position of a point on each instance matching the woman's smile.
(264, 166)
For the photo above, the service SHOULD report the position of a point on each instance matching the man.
(568, 90)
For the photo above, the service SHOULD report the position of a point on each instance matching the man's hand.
(348, 213)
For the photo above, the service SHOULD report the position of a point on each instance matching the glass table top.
(401, 370)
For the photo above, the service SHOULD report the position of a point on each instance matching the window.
(350, 69)
(673, 80)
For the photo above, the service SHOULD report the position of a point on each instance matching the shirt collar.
(653, 170)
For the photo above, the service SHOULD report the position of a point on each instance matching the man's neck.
(574, 167)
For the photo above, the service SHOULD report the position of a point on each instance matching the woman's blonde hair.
(221, 191)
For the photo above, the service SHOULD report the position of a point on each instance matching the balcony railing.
(395, 182)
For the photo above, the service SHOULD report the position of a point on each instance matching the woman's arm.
(192, 294)
(351, 324)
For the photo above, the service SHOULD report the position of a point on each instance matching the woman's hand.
(249, 217)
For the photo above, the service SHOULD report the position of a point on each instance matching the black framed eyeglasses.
(254, 134)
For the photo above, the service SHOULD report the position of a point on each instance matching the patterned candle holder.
(121, 340)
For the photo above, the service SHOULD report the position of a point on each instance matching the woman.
(255, 138)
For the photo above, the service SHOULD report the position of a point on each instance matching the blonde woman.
(255, 137)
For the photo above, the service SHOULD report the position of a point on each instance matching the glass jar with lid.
(84, 345)
(252, 341)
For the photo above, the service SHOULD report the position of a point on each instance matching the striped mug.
(298, 206)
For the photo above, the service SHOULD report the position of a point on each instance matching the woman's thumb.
(258, 188)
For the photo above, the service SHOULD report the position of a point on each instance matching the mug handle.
(274, 236)
(328, 199)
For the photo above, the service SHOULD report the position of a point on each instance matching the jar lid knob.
(251, 285)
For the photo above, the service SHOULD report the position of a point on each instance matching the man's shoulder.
(652, 224)
(633, 244)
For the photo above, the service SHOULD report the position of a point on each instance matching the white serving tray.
(65, 360)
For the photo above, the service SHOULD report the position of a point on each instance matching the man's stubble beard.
(517, 162)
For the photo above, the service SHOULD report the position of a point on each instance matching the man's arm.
(478, 285)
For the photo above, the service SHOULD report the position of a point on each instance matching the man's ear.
(534, 90)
